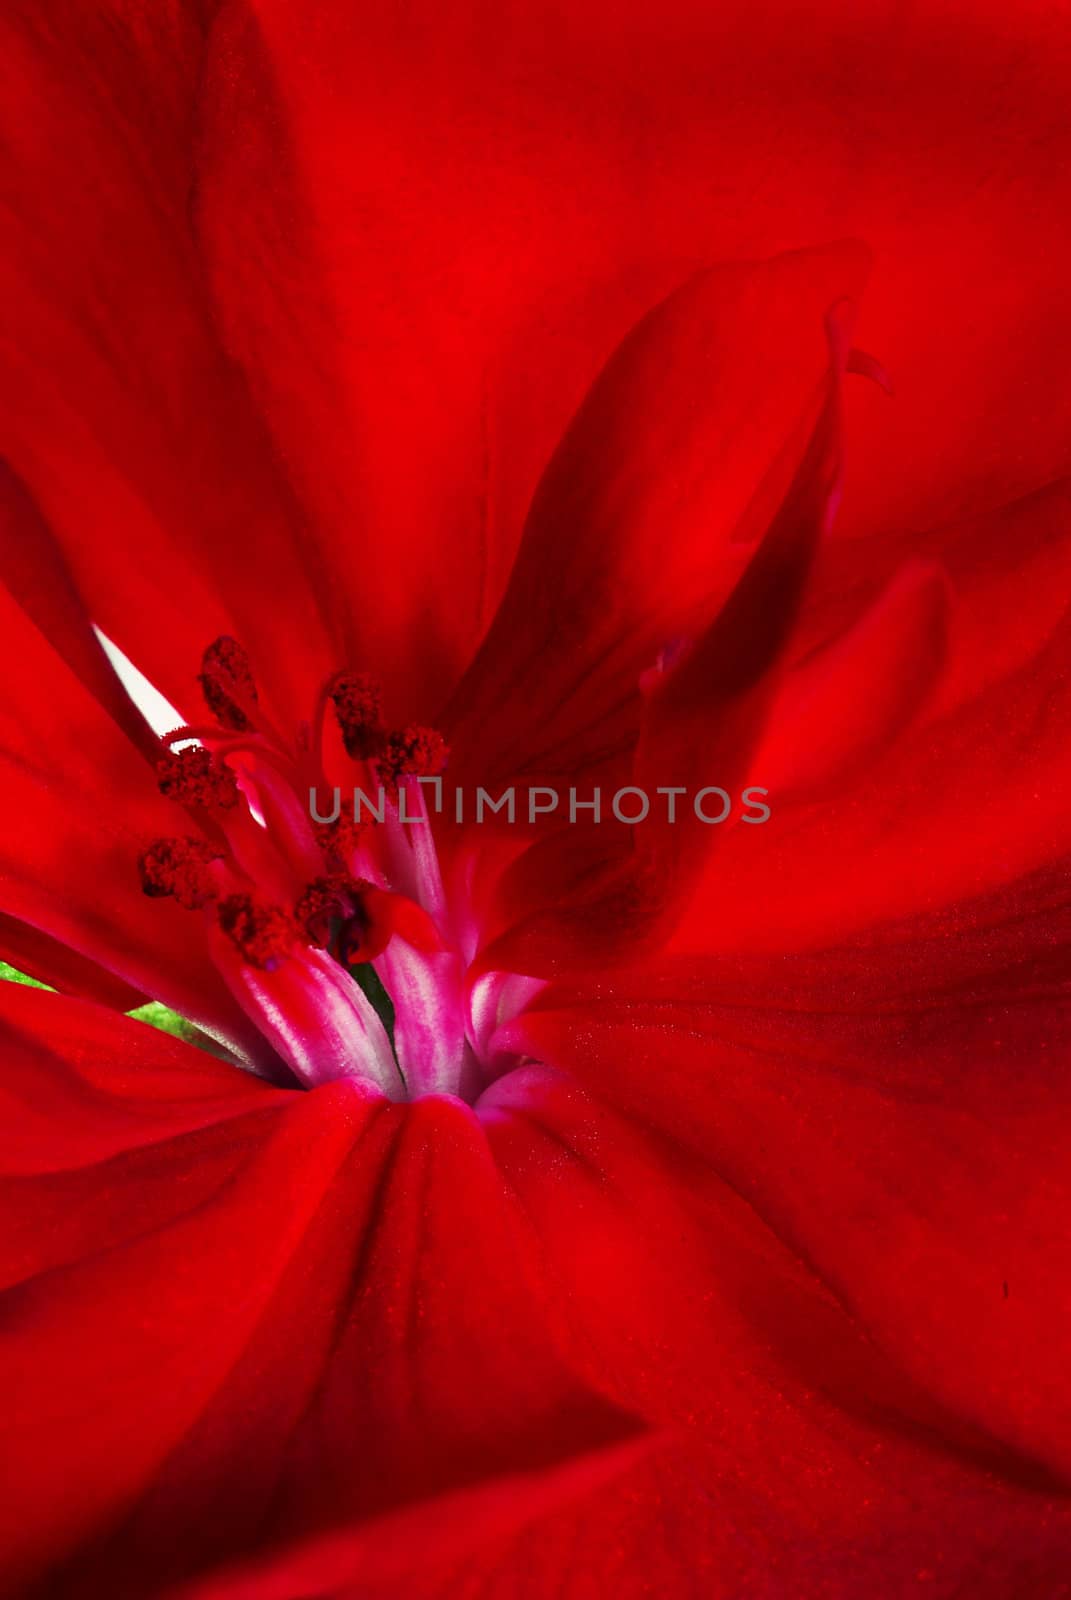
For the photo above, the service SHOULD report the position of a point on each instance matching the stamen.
(264, 933)
(363, 959)
(412, 752)
(179, 867)
(195, 777)
(226, 680)
(358, 699)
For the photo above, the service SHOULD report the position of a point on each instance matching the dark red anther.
(339, 839)
(357, 698)
(412, 752)
(179, 867)
(264, 933)
(195, 777)
(227, 683)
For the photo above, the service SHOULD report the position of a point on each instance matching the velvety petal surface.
(796, 1459)
(427, 228)
(602, 893)
(892, 1521)
(895, 1109)
(970, 795)
(131, 429)
(675, 465)
(183, 1242)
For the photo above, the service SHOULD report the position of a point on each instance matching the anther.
(179, 867)
(226, 680)
(412, 752)
(357, 698)
(339, 839)
(195, 777)
(264, 934)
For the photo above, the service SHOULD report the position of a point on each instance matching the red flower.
(679, 1208)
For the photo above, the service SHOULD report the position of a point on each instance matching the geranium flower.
(568, 1206)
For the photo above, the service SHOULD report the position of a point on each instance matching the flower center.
(337, 937)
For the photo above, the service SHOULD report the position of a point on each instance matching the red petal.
(968, 800)
(427, 232)
(678, 459)
(38, 580)
(121, 414)
(1009, 575)
(78, 803)
(38, 956)
(898, 1115)
(973, 792)
(391, 914)
(846, 705)
(605, 893)
(406, 1546)
(246, 1244)
(802, 1462)
(843, 1518)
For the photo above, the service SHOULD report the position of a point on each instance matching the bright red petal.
(38, 956)
(846, 705)
(897, 1112)
(355, 1262)
(126, 422)
(426, 231)
(833, 1518)
(968, 794)
(801, 1462)
(609, 892)
(674, 466)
